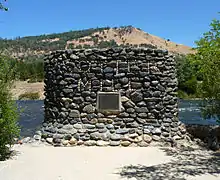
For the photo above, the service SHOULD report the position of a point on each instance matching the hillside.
(32, 46)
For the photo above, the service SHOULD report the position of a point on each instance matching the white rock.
(102, 143)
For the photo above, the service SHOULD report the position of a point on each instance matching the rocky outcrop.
(147, 82)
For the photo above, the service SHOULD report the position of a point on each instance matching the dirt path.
(109, 163)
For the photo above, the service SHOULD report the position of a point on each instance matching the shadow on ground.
(187, 162)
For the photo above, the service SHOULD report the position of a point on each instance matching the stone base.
(106, 135)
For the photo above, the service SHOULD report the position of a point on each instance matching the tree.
(8, 111)
(2, 7)
(207, 60)
(187, 77)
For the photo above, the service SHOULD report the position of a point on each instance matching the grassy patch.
(29, 96)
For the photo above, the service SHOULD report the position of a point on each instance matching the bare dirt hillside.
(130, 36)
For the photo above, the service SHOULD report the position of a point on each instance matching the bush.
(182, 94)
(9, 129)
(29, 96)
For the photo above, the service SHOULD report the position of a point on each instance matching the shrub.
(29, 95)
(9, 128)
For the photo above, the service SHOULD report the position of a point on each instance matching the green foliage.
(191, 85)
(207, 61)
(8, 111)
(187, 76)
(44, 42)
(2, 7)
(182, 94)
(29, 96)
(32, 70)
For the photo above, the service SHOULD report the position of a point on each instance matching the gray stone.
(107, 83)
(74, 57)
(124, 99)
(67, 137)
(133, 125)
(143, 144)
(129, 104)
(156, 138)
(102, 130)
(108, 70)
(146, 84)
(102, 143)
(90, 143)
(123, 114)
(165, 134)
(127, 120)
(58, 136)
(100, 115)
(125, 143)
(74, 106)
(141, 104)
(156, 131)
(136, 96)
(100, 125)
(68, 127)
(77, 126)
(130, 110)
(140, 120)
(49, 140)
(74, 114)
(138, 139)
(89, 109)
(67, 91)
(124, 80)
(134, 135)
(147, 138)
(26, 140)
(57, 141)
(89, 126)
(136, 85)
(156, 94)
(72, 141)
(109, 126)
(37, 137)
(38, 133)
(147, 131)
(177, 137)
(96, 136)
(139, 132)
(141, 110)
(65, 142)
(115, 137)
(122, 131)
(114, 143)
(154, 83)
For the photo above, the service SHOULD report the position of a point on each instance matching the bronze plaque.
(109, 102)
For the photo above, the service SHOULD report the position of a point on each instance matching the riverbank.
(22, 87)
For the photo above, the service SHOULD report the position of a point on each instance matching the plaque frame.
(109, 111)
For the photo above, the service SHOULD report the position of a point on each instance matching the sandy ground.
(21, 87)
(107, 163)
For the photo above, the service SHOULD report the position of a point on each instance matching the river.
(32, 115)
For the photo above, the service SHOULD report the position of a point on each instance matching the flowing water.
(32, 115)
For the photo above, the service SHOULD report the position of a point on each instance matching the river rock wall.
(146, 79)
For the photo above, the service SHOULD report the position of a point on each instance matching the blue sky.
(181, 21)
